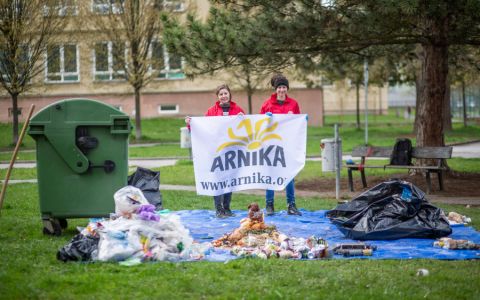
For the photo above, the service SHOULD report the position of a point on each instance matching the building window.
(62, 64)
(168, 109)
(109, 61)
(105, 7)
(165, 65)
(14, 63)
(10, 111)
(61, 8)
(172, 5)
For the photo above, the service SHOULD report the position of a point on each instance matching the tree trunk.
(430, 109)
(357, 88)
(249, 96)
(464, 105)
(138, 116)
(447, 112)
(249, 89)
(15, 118)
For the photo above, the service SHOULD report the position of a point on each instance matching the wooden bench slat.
(372, 151)
(432, 152)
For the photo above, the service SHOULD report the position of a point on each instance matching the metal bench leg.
(429, 182)
(440, 179)
(364, 180)
(350, 179)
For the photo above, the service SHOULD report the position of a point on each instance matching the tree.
(28, 28)
(464, 69)
(248, 79)
(220, 43)
(309, 28)
(132, 27)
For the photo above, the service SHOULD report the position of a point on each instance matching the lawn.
(166, 131)
(29, 269)
(182, 172)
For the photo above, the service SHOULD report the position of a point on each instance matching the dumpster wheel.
(63, 223)
(52, 227)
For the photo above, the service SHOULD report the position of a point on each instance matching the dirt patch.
(455, 184)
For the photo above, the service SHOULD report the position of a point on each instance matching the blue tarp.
(204, 227)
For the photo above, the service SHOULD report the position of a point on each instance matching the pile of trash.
(135, 233)
(391, 210)
(256, 239)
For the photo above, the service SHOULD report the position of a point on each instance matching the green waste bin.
(82, 160)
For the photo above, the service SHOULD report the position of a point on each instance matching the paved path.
(470, 150)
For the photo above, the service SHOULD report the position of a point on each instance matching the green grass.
(389, 118)
(162, 150)
(21, 155)
(29, 269)
(6, 133)
(182, 173)
(160, 130)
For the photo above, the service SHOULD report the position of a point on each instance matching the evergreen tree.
(288, 31)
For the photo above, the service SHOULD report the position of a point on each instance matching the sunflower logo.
(254, 138)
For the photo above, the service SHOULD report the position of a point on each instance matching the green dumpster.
(82, 160)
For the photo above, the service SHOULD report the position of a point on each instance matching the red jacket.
(217, 110)
(272, 105)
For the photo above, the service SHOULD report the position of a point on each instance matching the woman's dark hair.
(278, 80)
(221, 87)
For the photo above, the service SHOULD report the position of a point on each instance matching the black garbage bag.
(80, 248)
(148, 182)
(391, 210)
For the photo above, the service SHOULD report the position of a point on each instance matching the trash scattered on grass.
(456, 218)
(422, 272)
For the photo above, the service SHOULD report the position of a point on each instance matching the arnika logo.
(249, 150)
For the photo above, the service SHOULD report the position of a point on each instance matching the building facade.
(85, 67)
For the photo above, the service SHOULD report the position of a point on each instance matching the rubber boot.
(220, 212)
(227, 198)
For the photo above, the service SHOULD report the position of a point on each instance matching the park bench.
(435, 155)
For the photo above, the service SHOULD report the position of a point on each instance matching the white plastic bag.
(127, 200)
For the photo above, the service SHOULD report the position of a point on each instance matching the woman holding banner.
(280, 103)
(223, 107)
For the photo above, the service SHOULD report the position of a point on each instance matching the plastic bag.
(128, 200)
(391, 210)
(122, 238)
(148, 182)
(80, 248)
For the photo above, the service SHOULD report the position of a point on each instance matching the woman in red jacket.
(223, 107)
(280, 103)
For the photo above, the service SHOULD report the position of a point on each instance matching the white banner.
(234, 153)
